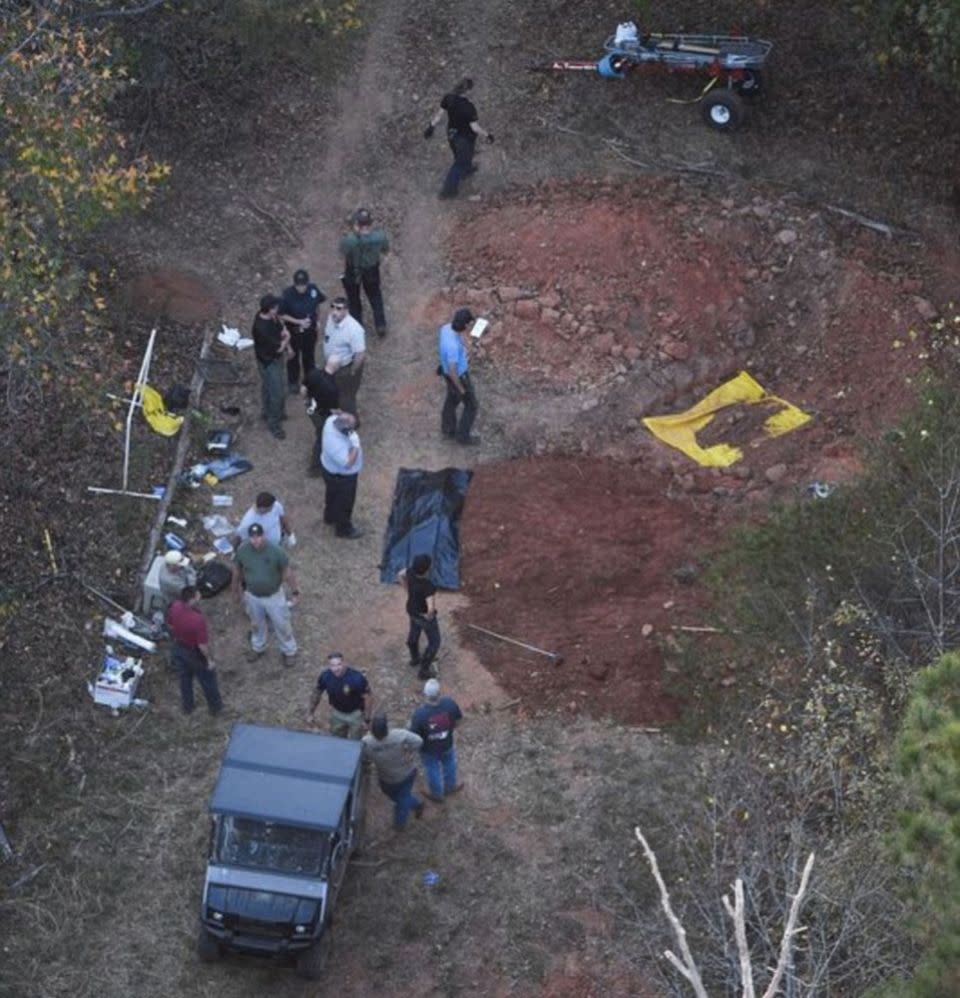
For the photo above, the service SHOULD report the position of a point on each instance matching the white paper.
(479, 328)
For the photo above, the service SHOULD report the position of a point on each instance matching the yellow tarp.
(161, 421)
(680, 430)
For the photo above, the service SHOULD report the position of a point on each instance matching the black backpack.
(213, 578)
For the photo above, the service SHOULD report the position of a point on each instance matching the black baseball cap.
(301, 277)
(362, 217)
(255, 530)
(461, 319)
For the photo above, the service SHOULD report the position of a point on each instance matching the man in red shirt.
(191, 650)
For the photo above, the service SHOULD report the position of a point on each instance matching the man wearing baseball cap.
(454, 367)
(362, 249)
(298, 311)
(175, 573)
(434, 721)
(271, 345)
(260, 570)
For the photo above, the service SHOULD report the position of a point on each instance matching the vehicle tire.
(208, 949)
(753, 84)
(360, 828)
(312, 963)
(723, 110)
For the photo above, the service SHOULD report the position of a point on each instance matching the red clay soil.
(575, 556)
(663, 289)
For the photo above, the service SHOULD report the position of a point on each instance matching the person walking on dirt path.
(462, 131)
(175, 573)
(454, 367)
(391, 753)
(260, 570)
(268, 511)
(298, 312)
(422, 613)
(341, 461)
(191, 651)
(349, 695)
(362, 250)
(345, 341)
(323, 399)
(434, 721)
(271, 344)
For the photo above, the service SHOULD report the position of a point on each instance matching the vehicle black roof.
(289, 777)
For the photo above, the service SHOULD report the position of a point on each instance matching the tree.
(928, 759)
(64, 169)
(686, 964)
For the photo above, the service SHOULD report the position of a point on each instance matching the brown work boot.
(456, 789)
(251, 654)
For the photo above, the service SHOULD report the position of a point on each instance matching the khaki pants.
(346, 725)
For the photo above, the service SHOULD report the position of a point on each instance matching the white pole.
(123, 492)
(135, 401)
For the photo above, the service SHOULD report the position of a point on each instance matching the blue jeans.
(440, 771)
(423, 625)
(191, 664)
(403, 797)
(462, 147)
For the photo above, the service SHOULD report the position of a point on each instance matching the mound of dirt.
(167, 292)
(670, 286)
(576, 556)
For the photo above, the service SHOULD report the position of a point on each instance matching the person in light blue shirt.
(341, 461)
(454, 368)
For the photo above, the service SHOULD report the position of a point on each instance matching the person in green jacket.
(362, 250)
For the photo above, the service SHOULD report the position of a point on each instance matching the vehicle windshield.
(263, 845)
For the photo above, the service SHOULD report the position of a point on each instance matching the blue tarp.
(425, 519)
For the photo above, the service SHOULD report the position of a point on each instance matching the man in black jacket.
(462, 131)
(271, 342)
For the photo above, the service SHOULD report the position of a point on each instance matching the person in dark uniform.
(362, 249)
(462, 131)
(271, 341)
(298, 311)
(350, 698)
(191, 650)
(422, 612)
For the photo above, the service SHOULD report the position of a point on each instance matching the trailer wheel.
(752, 85)
(312, 963)
(208, 949)
(723, 110)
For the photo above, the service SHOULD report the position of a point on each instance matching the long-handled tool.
(554, 657)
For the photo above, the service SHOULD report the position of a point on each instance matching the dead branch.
(688, 967)
(738, 916)
(790, 930)
(269, 216)
(882, 227)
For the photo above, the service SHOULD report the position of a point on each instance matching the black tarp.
(425, 519)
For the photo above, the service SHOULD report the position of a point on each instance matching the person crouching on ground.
(391, 751)
(422, 612)
(341, 461)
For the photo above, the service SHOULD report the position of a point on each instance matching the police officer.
(462, 131)
(454, 364)
(349, 694)
(298, 311)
